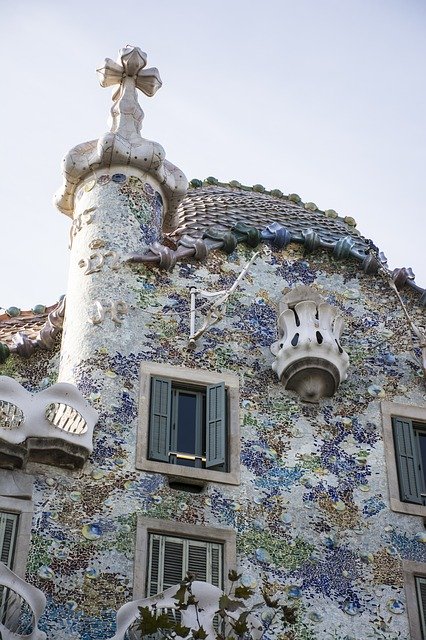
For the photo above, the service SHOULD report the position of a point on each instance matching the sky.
(324, 98)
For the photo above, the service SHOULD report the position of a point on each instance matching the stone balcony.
(54, 426)
(21, 606)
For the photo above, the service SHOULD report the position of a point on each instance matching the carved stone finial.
(123, 145)
(309, 357)
(130, 74)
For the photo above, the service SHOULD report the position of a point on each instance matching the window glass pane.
(187, 422)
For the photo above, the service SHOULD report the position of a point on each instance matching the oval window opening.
(66, 418)
(11, 416)
(319, 337)
(295, 339)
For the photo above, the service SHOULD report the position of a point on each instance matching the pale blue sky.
(325, 98)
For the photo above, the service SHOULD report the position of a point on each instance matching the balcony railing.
(21, 606)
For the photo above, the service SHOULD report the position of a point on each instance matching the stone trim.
(198, 376)
(145, 526)
(24, 508)
(389, 410)
(410, 571)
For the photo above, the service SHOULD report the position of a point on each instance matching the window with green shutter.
(187, 424)
(170, 558)
(410, 454)
(421, 601)
(8, 535)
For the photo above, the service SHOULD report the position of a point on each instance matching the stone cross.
(123, 145)
(130, 74)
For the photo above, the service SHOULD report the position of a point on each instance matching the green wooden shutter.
(166, 563)
(173, 570)
(153, 566)
(407, 459)
(216, 565)
(421, 599)
(215, 425)
(197, 559)
(160, 419)
(8, 534)
(205, 560)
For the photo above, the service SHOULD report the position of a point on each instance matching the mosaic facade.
(311, 516)
(312, 512)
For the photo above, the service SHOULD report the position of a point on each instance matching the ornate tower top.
(123, 144)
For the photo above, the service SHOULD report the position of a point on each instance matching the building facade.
(235, 380)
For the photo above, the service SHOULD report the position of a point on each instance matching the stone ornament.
(123, 144)
(86, 217)
(207, 597)
(54, 426)
(117, 310)
(308, 356)
(17, 597)
(96, 261)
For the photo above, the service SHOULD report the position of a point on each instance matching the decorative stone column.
(121, 194)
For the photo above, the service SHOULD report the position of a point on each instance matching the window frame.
(416, 415)
(16, 497)
(412, 570)
(147, 526)
(177, 391)
(192, 377)
(187, 545)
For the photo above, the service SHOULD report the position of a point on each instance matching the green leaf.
(233, 576)
(227, 604)
(181, 593)
(199, 634)
(243, 592)
(289, 614)
(150, 622)
(268, 601)
(180, 631)
(240, 627)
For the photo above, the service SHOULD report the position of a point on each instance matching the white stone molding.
(207, 597)
(20, 599)
(17, 485)
(56, 427)
(123, 144)
(309, 357)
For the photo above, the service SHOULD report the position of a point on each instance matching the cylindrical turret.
(120, 192)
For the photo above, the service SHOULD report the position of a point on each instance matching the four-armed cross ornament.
(130, 74)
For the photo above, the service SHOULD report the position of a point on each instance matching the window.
(8, 535)
(189, 426)
(405, 449)
(170, 558)
(410, 452)
(421, 600)
(415, 596)
(166, 551)
(16, 508)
